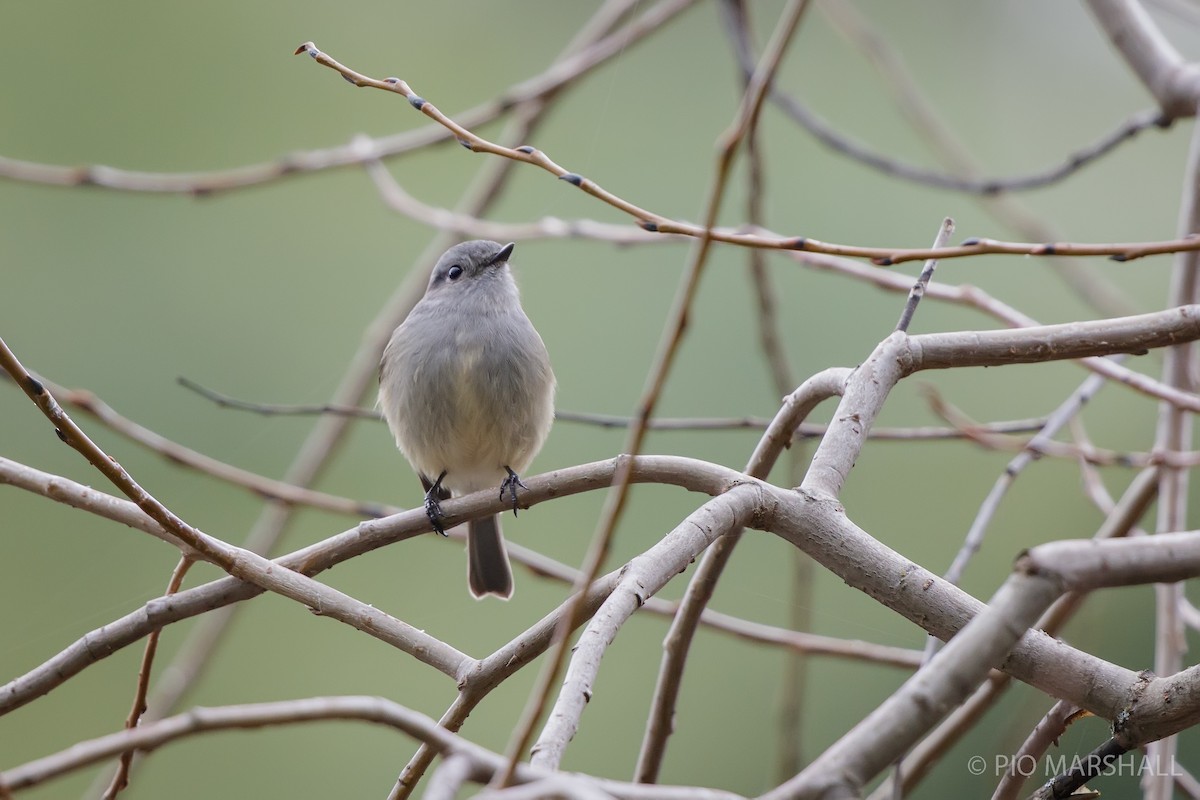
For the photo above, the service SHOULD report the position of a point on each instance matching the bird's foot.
(510, 485)
(433, 508)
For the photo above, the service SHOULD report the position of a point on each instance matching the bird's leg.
(510, 485)
(433, 509)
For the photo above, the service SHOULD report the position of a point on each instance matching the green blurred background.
(264, 294)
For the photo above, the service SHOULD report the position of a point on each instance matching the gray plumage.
(466, 387)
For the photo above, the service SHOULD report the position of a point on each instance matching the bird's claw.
(433, 508)
(510, 485)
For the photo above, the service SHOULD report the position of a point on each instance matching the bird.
(467, 389)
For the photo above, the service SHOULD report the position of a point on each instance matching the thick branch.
(362, 538)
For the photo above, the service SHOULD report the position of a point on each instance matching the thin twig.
(179, 454)
(278, 409)
(121, 779)
(922, 282)
(1057, 419)
(906, 316)
(803, 431)
(1040, 447)
(394, 195)
(1044, 734)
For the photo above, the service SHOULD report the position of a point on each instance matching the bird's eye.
(454, 272)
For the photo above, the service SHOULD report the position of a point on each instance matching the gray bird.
(466, 387)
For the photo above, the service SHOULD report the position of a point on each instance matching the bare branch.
(657, 223)
(394, 195)
(1120, 521)
(1039, 578)
(803, 431)
(642, 578)
(660, 722)
(362, 538)
(942, 684)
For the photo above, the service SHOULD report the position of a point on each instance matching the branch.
(1120, 520)
(657, 223)
(980, 300)
(400, 201)
(375, 710)
(922, 283)
(892, 728)
(362, 538)
(1135, 334)
(1039, 447)
(1039, 577)
(642, 577)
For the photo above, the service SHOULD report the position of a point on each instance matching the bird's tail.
(488, 570)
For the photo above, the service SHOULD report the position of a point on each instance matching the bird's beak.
(502, 255)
